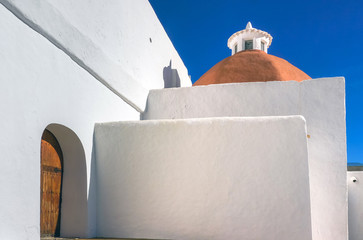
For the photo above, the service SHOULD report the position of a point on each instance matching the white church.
(103, 134)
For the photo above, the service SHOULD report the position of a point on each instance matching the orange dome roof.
(251, 66)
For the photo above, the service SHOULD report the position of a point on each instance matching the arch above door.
(73, 208)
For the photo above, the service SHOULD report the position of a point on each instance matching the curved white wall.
(211, 178)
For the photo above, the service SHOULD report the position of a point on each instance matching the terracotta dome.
(251, 66)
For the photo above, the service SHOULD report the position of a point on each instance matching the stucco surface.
(355, 199)
(121, 43)
(320, 101)
(41, 85)
(219, 178)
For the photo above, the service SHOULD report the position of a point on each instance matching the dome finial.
(249, 25)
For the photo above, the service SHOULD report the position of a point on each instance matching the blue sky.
(322, 38)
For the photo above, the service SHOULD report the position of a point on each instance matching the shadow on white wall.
(74, 189)
(171, 77)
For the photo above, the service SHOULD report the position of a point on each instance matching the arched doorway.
(51, 185)
(68, 180)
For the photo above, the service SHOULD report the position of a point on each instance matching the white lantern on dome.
(249, 39)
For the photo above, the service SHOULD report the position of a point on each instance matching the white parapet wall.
(355, 199)
(320, 101)
(218, 178)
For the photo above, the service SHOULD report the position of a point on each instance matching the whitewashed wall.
(41, 85)
(218, 178)
(121, 43)
(72, 64)
(355, 199)
(320, 101)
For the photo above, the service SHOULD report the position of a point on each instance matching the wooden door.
(51, 185)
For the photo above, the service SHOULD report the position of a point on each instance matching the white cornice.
(249, 30)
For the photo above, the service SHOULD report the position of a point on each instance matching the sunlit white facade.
(148, 156)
